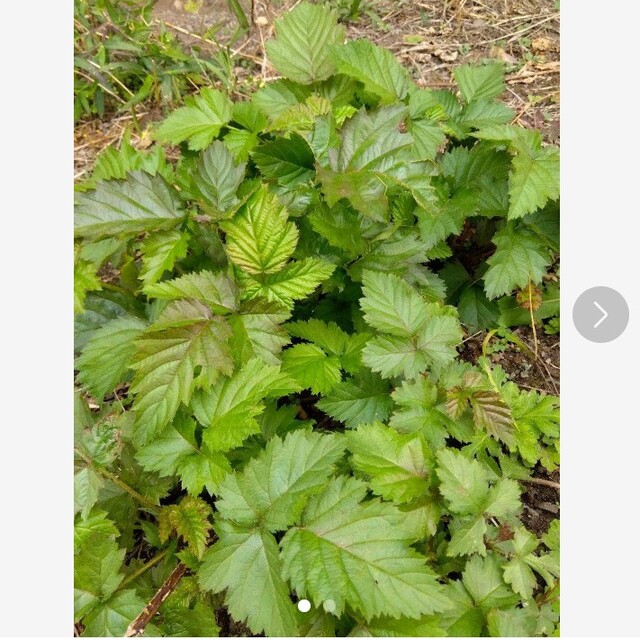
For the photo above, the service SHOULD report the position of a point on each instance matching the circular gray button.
(600, 314)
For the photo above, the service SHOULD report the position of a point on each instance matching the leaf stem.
(125, 487)
(146, 566)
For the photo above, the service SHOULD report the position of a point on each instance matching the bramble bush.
(269, 390)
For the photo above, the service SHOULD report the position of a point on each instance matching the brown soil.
(429, 36)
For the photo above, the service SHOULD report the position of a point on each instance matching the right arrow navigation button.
(601, 314)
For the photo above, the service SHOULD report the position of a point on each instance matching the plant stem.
(147, 565)
(125, 487)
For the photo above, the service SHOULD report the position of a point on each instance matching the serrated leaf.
(272, 489)
(381, 74)
(160, 252)
(96, 524)
(258, 330)
(520, 258)
(216, 290)
(276, 97)
(217, 178)
(260, 239)
(199, 122)
(362, 400)
(467, 537)
(396, 464)
(463, 482)
(295, 282)
(391, 356)
(165, 370)
(287, 160)
(511, 623)
(391, 305)
(312, 368)
(112, 617)
(247, 564)
(534, 180)
(139, 203)
(478, 82)
(85, 279)
(189, 519)
(358, 554)
(300, 50)
(228, 410)
(105, 358)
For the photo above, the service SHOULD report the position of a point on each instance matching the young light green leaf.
(199, 121)
(295, 282)
(300, 50)
(311, 367)
(160, 252)
(260, 240)
(190, 520)
(216, 290)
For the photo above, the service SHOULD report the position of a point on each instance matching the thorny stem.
(125, 487)
(533, 325)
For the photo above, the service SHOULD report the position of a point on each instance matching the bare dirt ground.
(429, 36)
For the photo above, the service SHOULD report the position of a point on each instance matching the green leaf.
(217, 178)
(361, 400)
(199, 122)
(480, 82)
(228, 410)
(391, 305)
(358, 554)
(312, 368)
(287, 160)
(273, 488)
(105, 357)
(476, 311)
(428, 137)
(276, 97)
(247, 564)
(296, 281)
(520, 258)
(216, 290)
(512, 623)
(381, 74)
(85, 279)
(165, 369)
(95, 524)
(96, 573)
(159, 254)
(391, 356)
(300, 50)
(139, 203)
(258, 330)
(111, 618)
(397, 464)
(189, 519)
(463, 482)
(534, 180)
(260, 240)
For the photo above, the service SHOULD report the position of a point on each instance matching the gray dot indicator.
(600, 314)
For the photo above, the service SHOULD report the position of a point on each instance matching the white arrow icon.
(605, 315)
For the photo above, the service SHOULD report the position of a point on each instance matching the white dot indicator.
(329, 606)
(304, 606)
